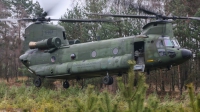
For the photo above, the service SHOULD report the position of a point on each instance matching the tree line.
(11, 34)
(186, 31)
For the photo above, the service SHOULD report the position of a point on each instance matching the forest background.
(186, 31)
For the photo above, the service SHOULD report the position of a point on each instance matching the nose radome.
(186, 54)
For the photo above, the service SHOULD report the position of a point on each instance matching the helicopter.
(49, 54)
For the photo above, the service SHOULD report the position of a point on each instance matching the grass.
(129, 98)
(30, 98)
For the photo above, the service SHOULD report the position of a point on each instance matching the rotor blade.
(175, 17)
(194, 18)
(28, 19)
(12, 20)
(126, 16)
(82, 20)
(54, 7)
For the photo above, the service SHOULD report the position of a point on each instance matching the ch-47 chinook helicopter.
(49, 54)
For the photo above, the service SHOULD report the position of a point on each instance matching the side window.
(94, 54)
(64, 36)
(159, 44)
(115, 51)
(73, 56)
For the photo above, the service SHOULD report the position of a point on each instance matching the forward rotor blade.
(50, 7)
(194, 18)
(82, 20)
(126, 16)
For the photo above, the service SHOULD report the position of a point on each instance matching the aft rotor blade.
(82, 20)
(33, 19)
(126, 16)
(175, 17)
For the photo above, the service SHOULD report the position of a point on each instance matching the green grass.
(129, 98)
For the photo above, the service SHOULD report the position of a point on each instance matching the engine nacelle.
(54, 42)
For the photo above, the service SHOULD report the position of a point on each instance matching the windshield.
(175, 42)
(168, 43)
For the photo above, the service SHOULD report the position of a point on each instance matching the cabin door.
(139, 52)
(139, 55)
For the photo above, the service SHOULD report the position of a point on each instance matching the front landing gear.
(108, 80)
(37, 81)
(66, 84)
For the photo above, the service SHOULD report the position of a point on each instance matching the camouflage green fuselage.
(96, 58)
(92, 57)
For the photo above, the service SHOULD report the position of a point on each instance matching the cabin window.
(73, 56)
(94, 54)
(115, 50)
(53, 59)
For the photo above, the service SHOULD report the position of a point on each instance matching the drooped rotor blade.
(82, 20)
(126, 16)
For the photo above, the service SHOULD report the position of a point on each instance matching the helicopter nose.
(186, 54)
(23, 58)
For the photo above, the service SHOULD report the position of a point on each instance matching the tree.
(12, 34)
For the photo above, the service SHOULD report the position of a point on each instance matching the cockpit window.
(168, 43)
(175, 42)
(159, 44)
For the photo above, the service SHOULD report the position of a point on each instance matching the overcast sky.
(57, 8)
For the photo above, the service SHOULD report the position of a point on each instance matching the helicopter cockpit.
(167, 42)
(169, 49)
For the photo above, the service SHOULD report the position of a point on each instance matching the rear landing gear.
(37, 81)
(108, 80)
(66, 84)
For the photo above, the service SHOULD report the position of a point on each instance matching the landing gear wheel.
(37, 82)
(108, 80)
(111, 80)
(66, 84)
